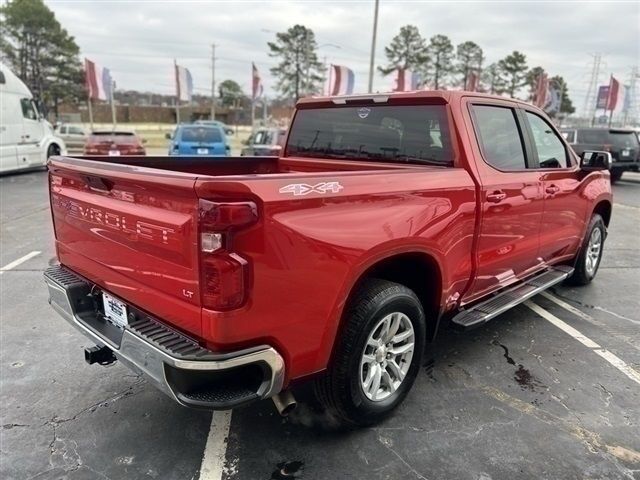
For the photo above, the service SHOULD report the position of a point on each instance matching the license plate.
(114, 310)
(203, 151)
(626, 152)
(114, 153)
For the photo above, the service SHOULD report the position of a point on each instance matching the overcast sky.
(138, 40)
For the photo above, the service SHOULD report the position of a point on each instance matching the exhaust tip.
(285, 402)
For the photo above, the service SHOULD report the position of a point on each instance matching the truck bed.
(241, 165)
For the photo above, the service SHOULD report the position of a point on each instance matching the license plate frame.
(114, 153)
(626, 152)
(115, 310)
(202, 151)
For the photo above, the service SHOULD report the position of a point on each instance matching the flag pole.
(609, 99)
(90, 112)
(175, 69)
(113, 106)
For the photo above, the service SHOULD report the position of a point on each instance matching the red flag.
(256, 83)
(614, 89)
(542, 89)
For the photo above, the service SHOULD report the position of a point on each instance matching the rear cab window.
(499, 137)
(201, 134)
(114, 137)
(404, 134)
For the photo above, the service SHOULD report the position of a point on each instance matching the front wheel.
(53, 150)
(590, 254)
(377, 356)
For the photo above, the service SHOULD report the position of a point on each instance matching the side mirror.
(167, 136)
(592, 160)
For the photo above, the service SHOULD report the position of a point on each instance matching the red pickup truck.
(385, 217)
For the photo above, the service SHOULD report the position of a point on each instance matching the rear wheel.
(590, 254)
(377, 356)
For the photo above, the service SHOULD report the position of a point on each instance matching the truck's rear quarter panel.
(307, 252)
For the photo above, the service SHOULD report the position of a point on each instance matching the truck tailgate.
(132, 231)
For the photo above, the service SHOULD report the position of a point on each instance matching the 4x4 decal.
(299, 189)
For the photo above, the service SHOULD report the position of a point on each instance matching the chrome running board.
(503, 301)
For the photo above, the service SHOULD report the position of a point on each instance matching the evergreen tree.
(469, 57)
(492, 80)
(440, 50)
(299, 71)
(41, 52)
(513, 70)
(229, 91)
(407, 50)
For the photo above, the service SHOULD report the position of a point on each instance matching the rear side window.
(404, 134)
(624, 139)
(551, 151)
(598, 137)
(499, 137)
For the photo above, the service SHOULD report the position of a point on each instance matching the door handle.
(552, 189)
(496, 197)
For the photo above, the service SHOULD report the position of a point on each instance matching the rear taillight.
(224, 273)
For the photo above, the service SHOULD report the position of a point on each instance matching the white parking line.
(17, 262)
(215, 450)
(587, 342)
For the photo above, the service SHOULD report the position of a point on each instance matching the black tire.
(339, 390)
(615, 175)
(582, 274)
(54, 149)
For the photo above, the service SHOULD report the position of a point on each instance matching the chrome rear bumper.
(176, 364)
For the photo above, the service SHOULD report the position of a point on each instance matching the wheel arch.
(603, 208)
(419, 270)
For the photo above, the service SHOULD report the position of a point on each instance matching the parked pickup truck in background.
(623, 144)
(385, 218)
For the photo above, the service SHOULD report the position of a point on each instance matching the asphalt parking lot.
(526, 396)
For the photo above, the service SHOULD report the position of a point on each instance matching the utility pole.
(632, 100)
(213, 81)
(113, 104)
(591, 98)
(373, 46)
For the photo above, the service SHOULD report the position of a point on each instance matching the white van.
(26, 138)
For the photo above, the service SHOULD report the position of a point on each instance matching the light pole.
(373, 46)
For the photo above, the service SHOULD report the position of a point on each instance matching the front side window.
(404, 134)
(28, 109)
(551, 151)
(499, 137)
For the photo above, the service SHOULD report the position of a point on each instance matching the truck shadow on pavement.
(488, 403)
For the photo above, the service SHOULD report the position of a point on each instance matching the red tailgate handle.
(496, 197)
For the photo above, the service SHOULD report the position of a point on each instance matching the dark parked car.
(114, 143)
(265, 142)
(622, 143)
